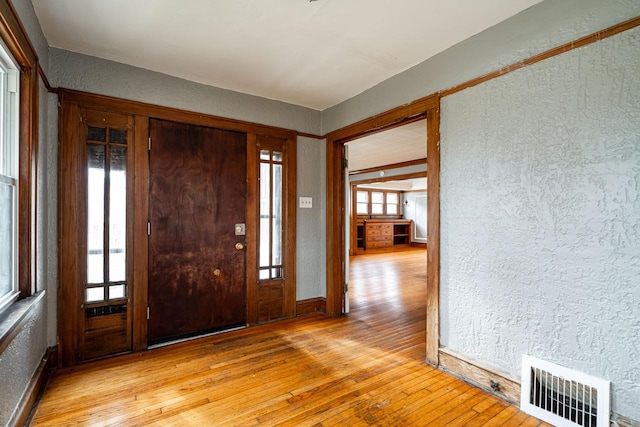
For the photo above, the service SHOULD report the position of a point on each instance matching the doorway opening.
(337, 206)
(386, 176)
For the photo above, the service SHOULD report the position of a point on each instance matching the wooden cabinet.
(380, 234)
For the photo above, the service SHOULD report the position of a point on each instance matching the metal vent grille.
(563, 396)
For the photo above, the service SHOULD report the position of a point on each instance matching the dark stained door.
(197, 196)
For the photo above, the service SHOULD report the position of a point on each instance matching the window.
(8, 178)
(392, 203)
(271, 186)
(377, 203)
(362, 203)
(106, 214)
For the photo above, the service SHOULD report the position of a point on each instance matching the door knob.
(239, 246)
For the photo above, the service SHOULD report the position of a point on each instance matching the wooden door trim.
(289, 212)
(428, 107)
(140, 234)
(107, 103)
(71, 102)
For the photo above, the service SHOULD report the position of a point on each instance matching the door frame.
(429, 108)
(142, 113)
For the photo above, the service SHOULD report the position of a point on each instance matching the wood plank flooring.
(363, 369)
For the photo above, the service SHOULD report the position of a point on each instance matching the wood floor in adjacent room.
(363, 369)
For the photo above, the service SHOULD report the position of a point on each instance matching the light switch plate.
(306, 202)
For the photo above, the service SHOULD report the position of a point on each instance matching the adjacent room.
(320, 212)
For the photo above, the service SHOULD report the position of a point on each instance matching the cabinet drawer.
(379, 226)
(380, 232)
(378, 238)
(379, 244)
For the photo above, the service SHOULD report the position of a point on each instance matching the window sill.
(13, 318)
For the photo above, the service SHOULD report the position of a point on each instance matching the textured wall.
(48, 208)
(23, 355)
(311, 262)
(540, 216)
(543, 26)
(29, 20)
(19, 361)
(86, 73)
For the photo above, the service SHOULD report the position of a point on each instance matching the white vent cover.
(563, 396)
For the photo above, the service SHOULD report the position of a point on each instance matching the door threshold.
(194, 337)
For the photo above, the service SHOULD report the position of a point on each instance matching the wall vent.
(563, 396)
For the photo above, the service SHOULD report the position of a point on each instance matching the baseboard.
(311, 305)
(418, 245)
(618, 420)
(480, 375)
(36, 387)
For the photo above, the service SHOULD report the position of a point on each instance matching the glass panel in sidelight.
(118, 215)
(276, 236)
(97, 134)
(117, 291)
(95, 213)
(265, 214)
(95, 294)
(118, 136)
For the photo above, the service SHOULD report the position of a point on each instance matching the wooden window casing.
(384, 204)
(19, 46)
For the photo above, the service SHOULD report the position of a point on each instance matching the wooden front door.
(196, 261)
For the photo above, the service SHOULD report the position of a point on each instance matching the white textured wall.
(21, 358)
(540, 216)
(311, 235)
(19, 361)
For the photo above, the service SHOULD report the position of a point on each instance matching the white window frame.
(9, 149)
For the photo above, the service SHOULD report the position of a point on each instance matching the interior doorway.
(429, 108)
(196, 255)
(386, 175)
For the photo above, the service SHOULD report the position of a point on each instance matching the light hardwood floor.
(363, 369)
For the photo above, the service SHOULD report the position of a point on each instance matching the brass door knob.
(239, 246)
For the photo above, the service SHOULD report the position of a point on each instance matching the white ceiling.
(314, 54)
(397, 145)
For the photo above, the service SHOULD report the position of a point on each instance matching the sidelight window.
(106, 214)
(8, 179)
(271, 213)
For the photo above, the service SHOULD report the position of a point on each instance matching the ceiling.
(310, 53)
(413, 184)
(396, 145)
